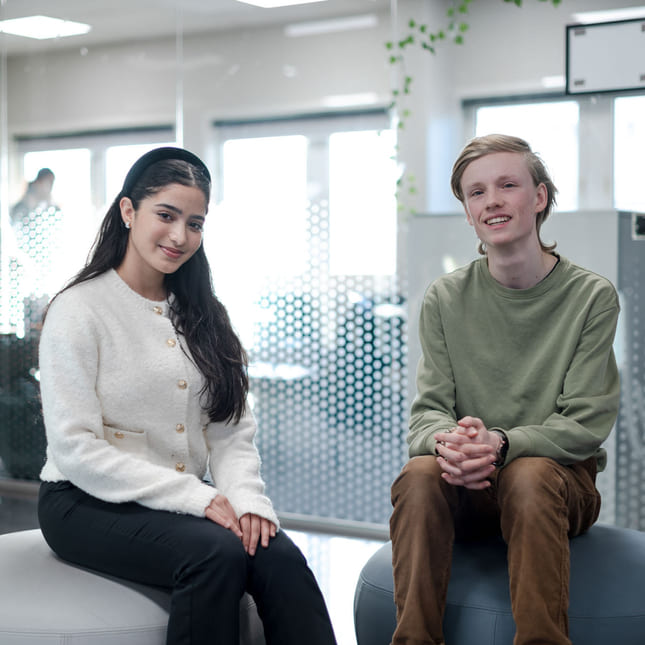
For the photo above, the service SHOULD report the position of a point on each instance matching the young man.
(517, 388)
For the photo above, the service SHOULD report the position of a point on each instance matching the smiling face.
(502, 200)
(165, 232)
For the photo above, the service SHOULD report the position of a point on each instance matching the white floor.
(336, 562)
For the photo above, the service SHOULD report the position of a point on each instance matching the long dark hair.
(195, 310)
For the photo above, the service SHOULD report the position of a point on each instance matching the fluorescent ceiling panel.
(317, 27)
(610, 15)
(271, 4)
(43, 27)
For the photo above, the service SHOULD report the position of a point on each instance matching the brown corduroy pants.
(536, 504)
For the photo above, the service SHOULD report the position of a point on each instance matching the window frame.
(596, 135)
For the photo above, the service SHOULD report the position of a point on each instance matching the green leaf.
(463, 27)
(389, 44)
(412, 24)
(459, 40)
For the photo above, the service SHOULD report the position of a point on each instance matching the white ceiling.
(123, 20)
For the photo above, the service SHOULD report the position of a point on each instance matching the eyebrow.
(501, 178)
(174, 209)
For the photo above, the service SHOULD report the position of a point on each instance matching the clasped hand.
(466, 453)
(250, 528)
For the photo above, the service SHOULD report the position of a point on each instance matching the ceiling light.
(610, 15)
(272, 4)
(43, 27)
(333, 25)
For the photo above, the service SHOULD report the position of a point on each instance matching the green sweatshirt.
(536, 363)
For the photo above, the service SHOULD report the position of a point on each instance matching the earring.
(127, 225)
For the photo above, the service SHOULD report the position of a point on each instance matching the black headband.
(160, 154)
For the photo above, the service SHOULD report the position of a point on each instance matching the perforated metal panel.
(630, 427)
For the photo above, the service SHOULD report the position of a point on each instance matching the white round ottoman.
(45, 601)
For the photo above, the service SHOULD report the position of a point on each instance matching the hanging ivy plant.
(420, 35)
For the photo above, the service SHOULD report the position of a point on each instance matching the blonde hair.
(490, 143)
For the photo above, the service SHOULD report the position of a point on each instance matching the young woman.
(144, 388)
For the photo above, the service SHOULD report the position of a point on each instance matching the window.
(362, 203)
(48, 240)
(118, 160)
(302, 242)
(551, 129)
(629, 143)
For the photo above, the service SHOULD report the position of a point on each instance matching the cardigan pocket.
(134, 442)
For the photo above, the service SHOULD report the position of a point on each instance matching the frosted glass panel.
(303, 250)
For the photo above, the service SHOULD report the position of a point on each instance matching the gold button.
(179, 467)
(180, 427)
(181, 384)
(119, 435)
(157, 309)
(171, 342)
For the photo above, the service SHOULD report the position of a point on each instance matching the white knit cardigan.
(122, 408)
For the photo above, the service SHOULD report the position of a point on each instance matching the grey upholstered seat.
(45, 601)
(607, 600)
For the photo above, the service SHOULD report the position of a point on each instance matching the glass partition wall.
(71, 125)
(303, 248)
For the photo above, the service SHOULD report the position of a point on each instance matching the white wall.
(247, 73)
(262, 73)
(507, 51)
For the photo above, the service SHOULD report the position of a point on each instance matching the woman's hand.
(221, 512)
(256, 528)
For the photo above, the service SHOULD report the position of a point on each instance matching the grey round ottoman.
(607, 593)
(45, 601)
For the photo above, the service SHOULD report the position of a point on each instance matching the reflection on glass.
(45, 239)
(629, 143)
(551, 129)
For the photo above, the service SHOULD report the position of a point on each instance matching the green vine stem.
(419, 34)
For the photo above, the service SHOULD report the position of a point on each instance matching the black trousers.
(203, 563)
